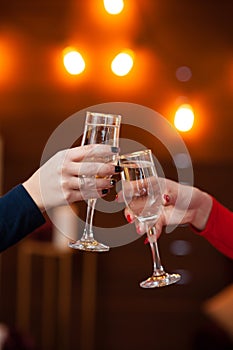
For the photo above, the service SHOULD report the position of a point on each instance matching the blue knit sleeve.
(19, 216)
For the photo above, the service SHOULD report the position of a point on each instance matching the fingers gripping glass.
(99, 129)
(142, 195)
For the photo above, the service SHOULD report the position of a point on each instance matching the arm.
(189, 205)
(206, 216)
(19, 215)
(54, 184)
(219, 229)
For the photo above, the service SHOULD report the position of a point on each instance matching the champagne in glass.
(99, 128)
(142, 194)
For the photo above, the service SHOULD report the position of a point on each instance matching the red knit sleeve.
(219, 229)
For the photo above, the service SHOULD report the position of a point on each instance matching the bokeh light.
(183, 73)
(181, 247)
(122, 63)
(114, 7)
(186, 276)
(184, 118)
(73, 61)
(11, 47)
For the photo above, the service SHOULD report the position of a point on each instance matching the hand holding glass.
(99, 128)
(142, 195)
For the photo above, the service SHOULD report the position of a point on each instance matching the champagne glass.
(142, 194)
(99, 128)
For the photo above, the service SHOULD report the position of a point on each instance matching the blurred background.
(179, 53)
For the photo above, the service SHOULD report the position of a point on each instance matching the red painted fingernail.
(166, 197)
(146, 240)
(128, 218)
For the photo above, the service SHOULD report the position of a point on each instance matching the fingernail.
(115, 149)
(146, 240)
(118, 169)
(138, 229)
(105, 191)
(128, 218)
(166, 197)
(112, 182)
(116, 197)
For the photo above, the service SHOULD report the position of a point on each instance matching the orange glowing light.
(9, 65)
(73, 61)
(113, 7)
(184, 118)
(123, 63)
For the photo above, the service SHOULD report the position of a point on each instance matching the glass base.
(160, 281)
(89, 246)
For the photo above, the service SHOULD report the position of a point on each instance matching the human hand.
(68, 177)
(182, 205)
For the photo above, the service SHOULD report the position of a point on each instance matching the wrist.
(32, 186)
(203, 209)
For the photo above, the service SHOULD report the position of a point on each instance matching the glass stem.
(88, 232)
(157, 267)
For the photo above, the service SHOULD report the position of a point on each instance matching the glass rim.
(103, 114)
